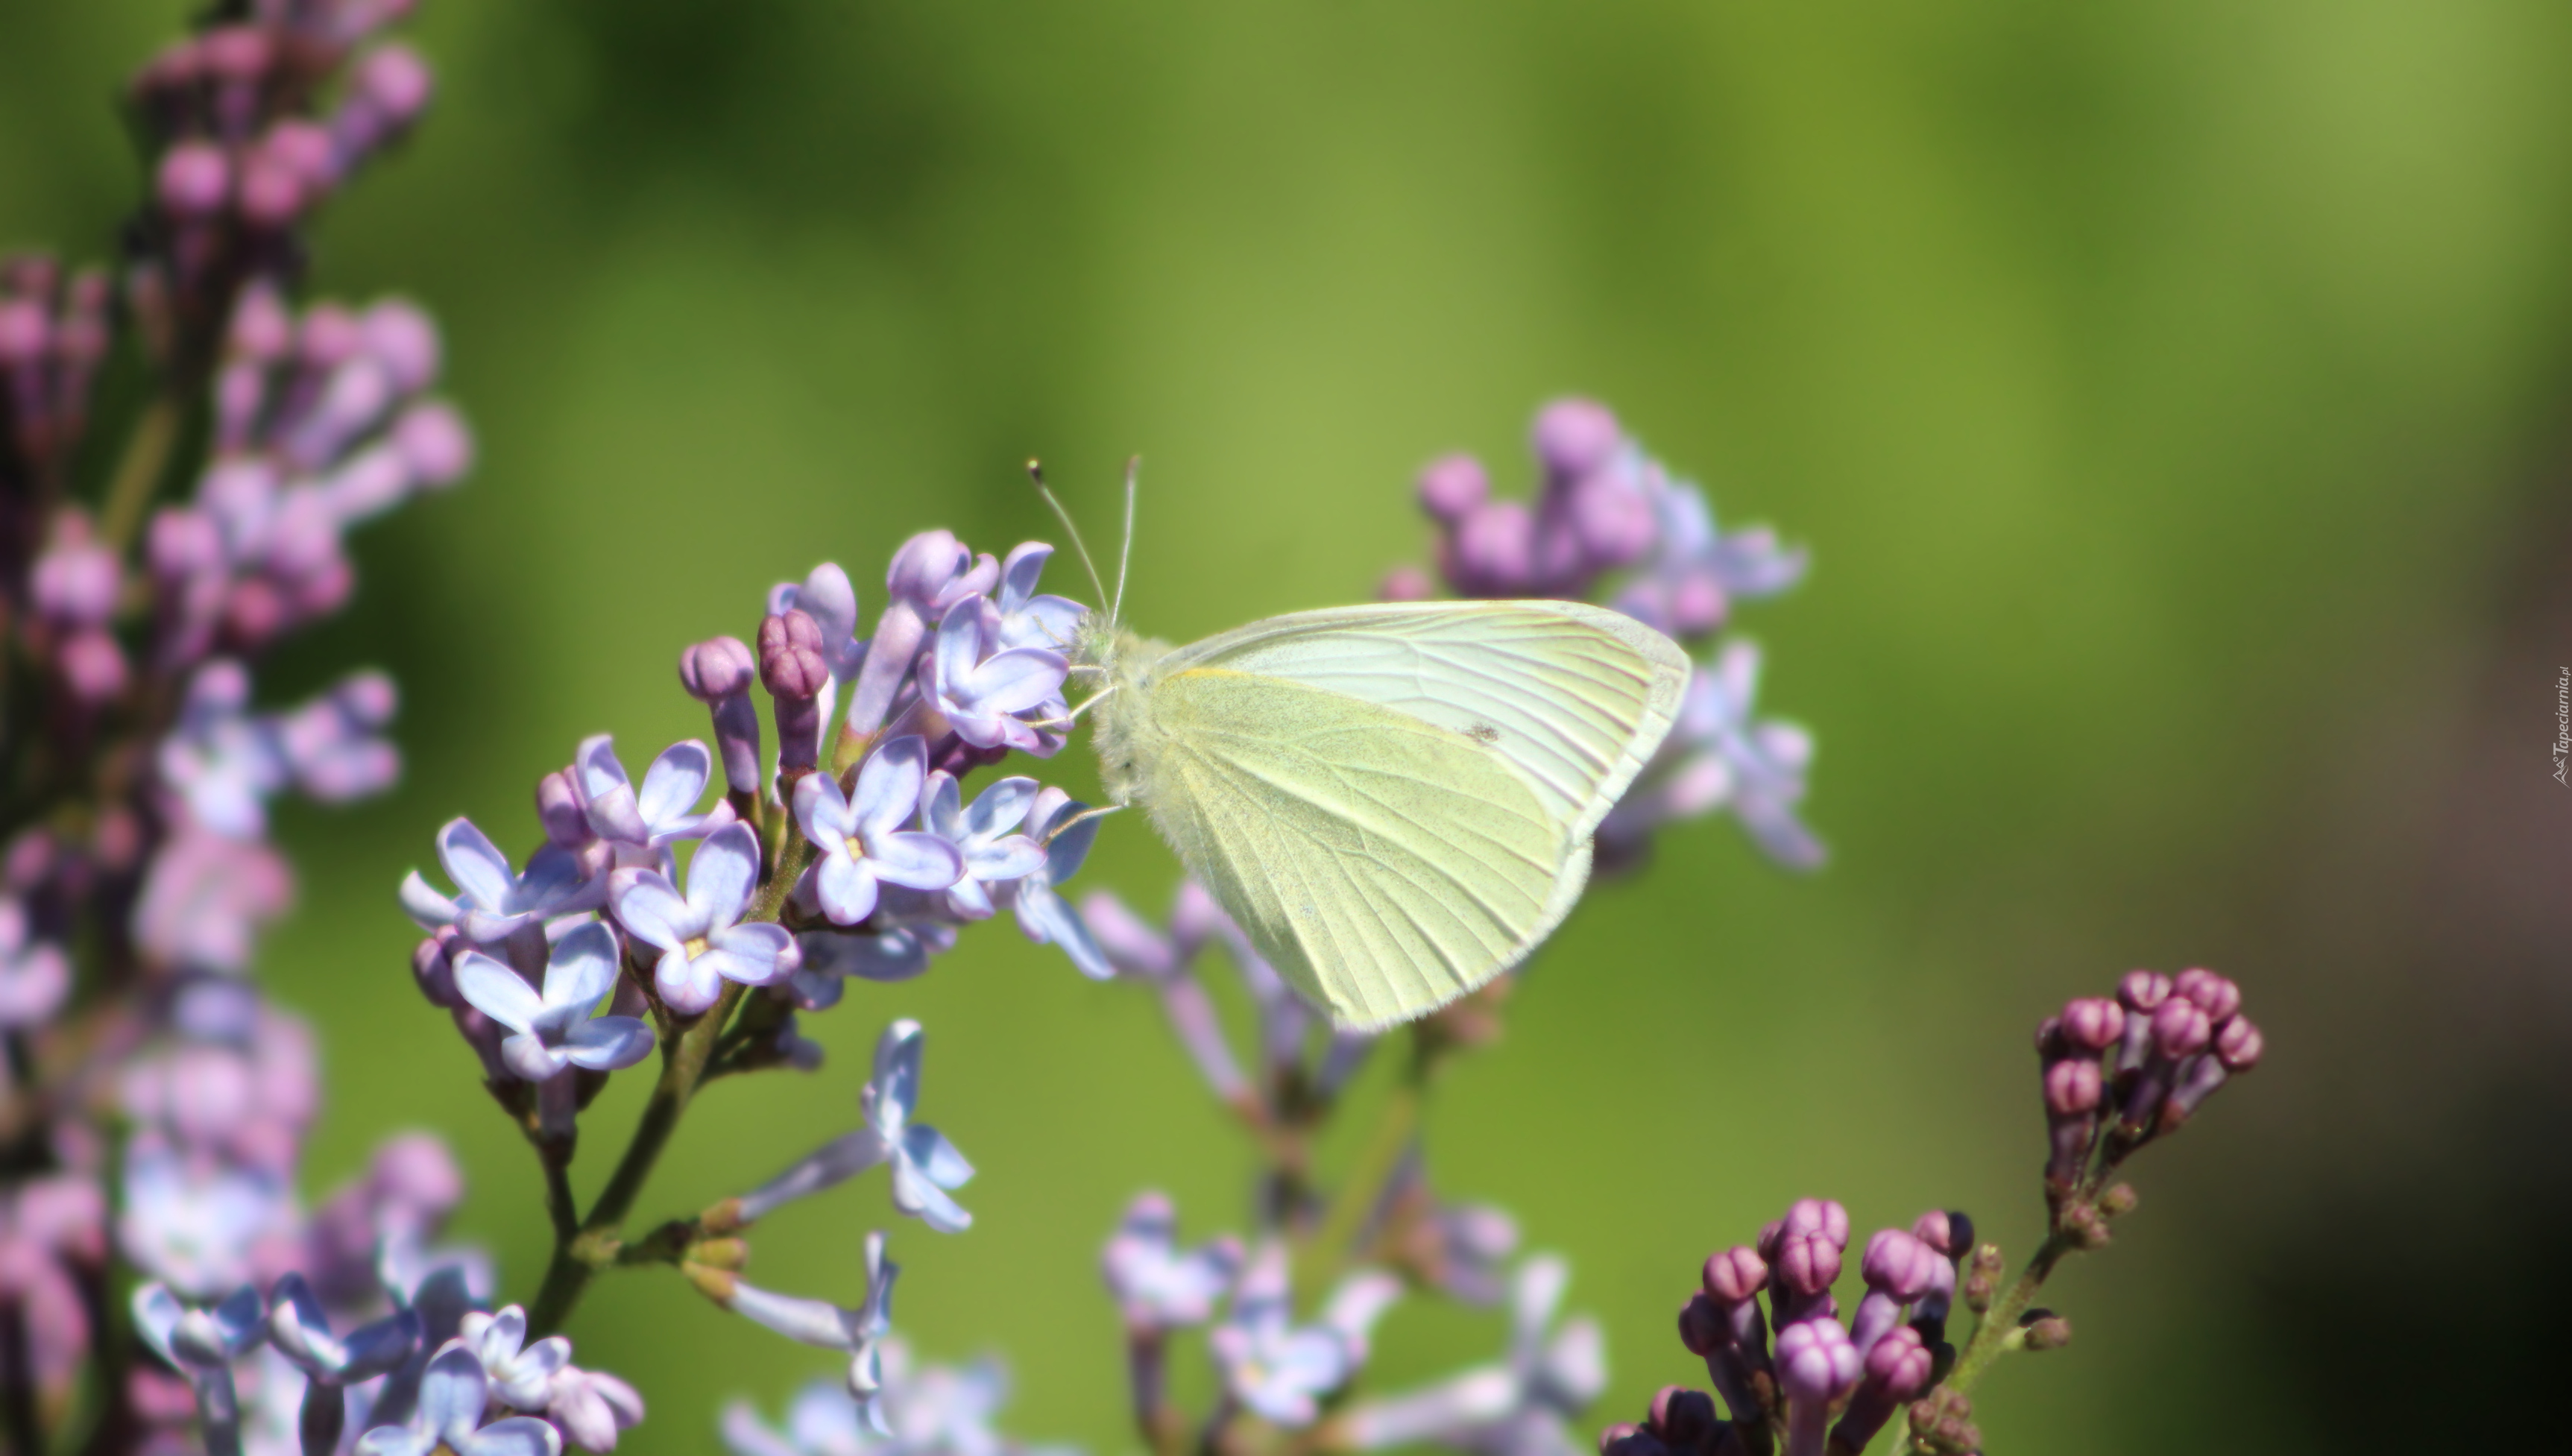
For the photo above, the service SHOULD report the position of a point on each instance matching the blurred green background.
(2174, 397)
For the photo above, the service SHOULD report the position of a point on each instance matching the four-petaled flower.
(556, 1031)
(452, 1394)
(985, 834)
(492, 900)
(699, 935)
(1057, 823)
(301, 1332)
(981, 690)
(1028, 619)
(522, 1374)
(1515, 1406)
(1156, 1284)
(925, 1163)
(647, 822)
(863, 844)
(1278, 1369)
(860, 1331)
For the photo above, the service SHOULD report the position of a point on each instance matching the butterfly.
(1394, 802)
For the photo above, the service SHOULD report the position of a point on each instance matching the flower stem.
(1363, 1190)
(579, 1255)
(139, 469)
(1993, 1329)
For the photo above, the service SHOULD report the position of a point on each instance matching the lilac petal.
(941, 809)
(813, 1321)
(652, 908)
(960, 646)
(1043, 621)
(557, 883)
(1049, 921)
(480, 872)
(969, 899)
(609, 1043)
(845, 887)
(528, 1058)
(1011, 858)
(822, 811)
(935, 1158)
(378, 1347)
(156, 1313)
(1066, 850)
(1019, 678)
(396, 1441)
(583, 968)
(893, 956)
(674, 782)
(1131, 944)
(688, 987)
(915, 1194)
(889, 786)
(516, 1436)
(425, 906)
(834, 1162)
(1002, 807)
(498, 992)
(918, 861)
(724, 873)
(452, 1392)
(758, 953)
(301, 1330)
(895, 1087)
(1019, 572)
(607, 795)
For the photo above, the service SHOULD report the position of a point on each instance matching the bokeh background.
(2172, 394)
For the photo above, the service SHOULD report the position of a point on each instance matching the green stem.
(139, 469)
(561, 1203)
(1363, 1192)
(1995, 1325)
(580, 1254)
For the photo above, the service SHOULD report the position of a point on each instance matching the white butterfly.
(1395, 802)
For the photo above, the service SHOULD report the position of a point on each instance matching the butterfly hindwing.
(1383, 863)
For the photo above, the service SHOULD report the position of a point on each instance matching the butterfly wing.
(1574, 696)
(1396, 802)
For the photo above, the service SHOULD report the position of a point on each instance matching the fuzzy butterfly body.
(1395, 802)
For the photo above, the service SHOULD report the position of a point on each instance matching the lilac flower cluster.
(1610, 517)
(155, 1103)
(418, 1367)
(1385, 1226)
(2118, 1073)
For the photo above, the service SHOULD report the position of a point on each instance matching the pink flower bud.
(2180, 1028)
(2238, 1045)
(193, 180)
(434, 442)
(2072, 1087)
(2218, 996)
(1734, 1275)
(2093, 1024)
(1573, 437)
(716, 669)
(1899, 1264)
(791, 664)
(1453, 485)
(2141, 990)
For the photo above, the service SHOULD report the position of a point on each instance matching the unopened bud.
(2088, 1229)
(731, 1254)
(2050, 1332)
(2094, 1024)
(2239, 1043)
(2216, 995)
(2141, 990)
(2119, 1201)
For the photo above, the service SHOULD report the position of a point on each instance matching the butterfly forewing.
(1574, 696)
(1383, 863)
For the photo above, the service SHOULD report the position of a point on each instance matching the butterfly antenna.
(1125, 553)
(1035, 473)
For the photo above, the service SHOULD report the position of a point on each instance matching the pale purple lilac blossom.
(1520, 1405)
(925, 1410)
(925, 1164)
(700, 934)
(985, 689)
(859, 834)
(454, 1393)
(1280, 1370)
(555, 1031)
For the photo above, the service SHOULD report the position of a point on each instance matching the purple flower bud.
(329, 338)
(2072, 1087)
(1804, 1252)
(2218, 996)
(2141, 990)
(1682, 1418)
(1573, 437)
(1896, 1371)
(1405, 583)
(2180, 1028)
(431, 964)
(272, 190)
(1945, 1230)
(927, 571)
(794, 672)
(559, 810)
(25, 333)
(194, 179)
(1898, 1269)
(1452, 486)
(1817, 1366)
(1491, 551)
(93, 666)
(717, 672)
(434, 444)
(1735, 1275)
(261, 329)
(1628, 1439)
(303, 148)
(2093, 1024)
(2239, 1043)
(394, 78)
(403, 339)
(236, 52)
(75, 581)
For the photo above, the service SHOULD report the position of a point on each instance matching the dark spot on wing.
(1484, 733)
